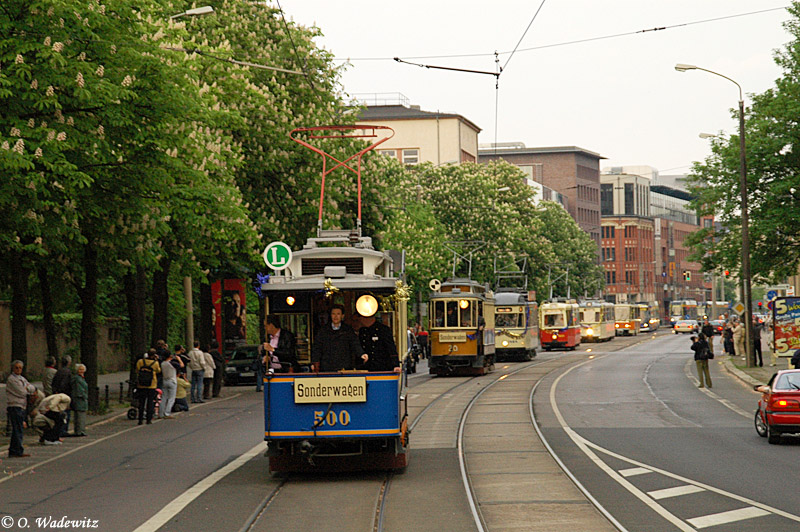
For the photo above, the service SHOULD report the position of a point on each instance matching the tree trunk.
(206, 332)
(88, 295)
(19, 309)
(160, 302)
(47, 312)
(135, 294)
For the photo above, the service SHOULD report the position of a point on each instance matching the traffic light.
(727, 273)
(760, 304)
(687, 275)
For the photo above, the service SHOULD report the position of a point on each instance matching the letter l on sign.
(277, 255)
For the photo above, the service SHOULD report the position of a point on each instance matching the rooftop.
(520, 149)
(402, 112)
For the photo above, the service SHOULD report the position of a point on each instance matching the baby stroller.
(133, 411)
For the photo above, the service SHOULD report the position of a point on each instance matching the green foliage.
(773, 179)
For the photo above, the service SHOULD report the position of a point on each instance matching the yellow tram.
(597, 320)
(650, 317)
(462, 335)
(516, 322)
(627, 319)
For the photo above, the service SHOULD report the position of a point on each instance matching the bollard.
(106, 396)
(121, 391)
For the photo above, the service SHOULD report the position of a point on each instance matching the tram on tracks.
(558, 324)
(462, 330)
(597, 320)
(349, 419)
(649, 316)
(516, 322)
(683, 309)
(627, 319)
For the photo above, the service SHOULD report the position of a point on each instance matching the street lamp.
(205, 10)
(746, 295)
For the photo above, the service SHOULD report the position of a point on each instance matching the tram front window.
(508, 320)
(590, 316)
(467, 318)
(554, 321)
(452, 314)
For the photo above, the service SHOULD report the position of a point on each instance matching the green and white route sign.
(277, 255)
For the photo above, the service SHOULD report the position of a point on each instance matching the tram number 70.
(332, 418)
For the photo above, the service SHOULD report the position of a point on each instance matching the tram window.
(467, 315)
(554, 320)
(590, 316)
(509, 320)
(438, 313)
(452, 314)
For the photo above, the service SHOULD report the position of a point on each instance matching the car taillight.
(785, 404)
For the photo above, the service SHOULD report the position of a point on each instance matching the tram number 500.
(332, 418)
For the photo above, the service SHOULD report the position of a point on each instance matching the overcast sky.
(620, 97)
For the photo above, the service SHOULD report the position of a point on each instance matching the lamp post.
(205, 10)
(746, 288)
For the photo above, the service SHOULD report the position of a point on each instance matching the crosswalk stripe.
(677, 491)
(634, 471)
(727, 517)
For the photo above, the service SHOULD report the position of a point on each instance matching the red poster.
(229, 317)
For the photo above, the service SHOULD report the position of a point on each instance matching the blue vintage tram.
(345, 420)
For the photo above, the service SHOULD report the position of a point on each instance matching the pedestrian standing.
(757, 342)
(208, 373)
(80, 400)
(422, 340)
(169, 379)
(146, 370)
(219, 368)
(49, 372)
(197, 366)
(701, 355)
(17, 391)
(62, 383)
(727, 335)
(738, 339)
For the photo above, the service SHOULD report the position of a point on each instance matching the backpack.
(145, 376)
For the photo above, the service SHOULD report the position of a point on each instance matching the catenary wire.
(523, 35)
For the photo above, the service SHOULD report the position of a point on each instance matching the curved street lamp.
(746, 285)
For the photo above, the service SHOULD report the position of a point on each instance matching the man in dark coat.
(378, 343)
(219, 371)
(708, 332)
(280, 343)
(336, 346)
(62, 383)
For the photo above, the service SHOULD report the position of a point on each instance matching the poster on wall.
(230, 316)
(786, 323)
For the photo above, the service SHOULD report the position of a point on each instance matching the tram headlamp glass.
(463, 303)
(555, 336)
(505, 343)
(589, 331)
(367, 305)
(290, 300)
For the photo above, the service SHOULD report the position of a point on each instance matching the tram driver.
(336, 346)
(377, 342)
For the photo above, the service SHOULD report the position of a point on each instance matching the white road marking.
(687, 370)
(634, 471)
(727, 517)
(584, 445)
(646, 379)
(674, 492)
(183, 500)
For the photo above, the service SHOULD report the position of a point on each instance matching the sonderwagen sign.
(453, 337)
(330, 390)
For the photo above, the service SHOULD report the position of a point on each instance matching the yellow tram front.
(338, 420)
(516, 322)
(462, 335)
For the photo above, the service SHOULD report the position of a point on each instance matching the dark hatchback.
(239, 369)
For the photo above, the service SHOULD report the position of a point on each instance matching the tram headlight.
(505, 343)
(555, 336)
(290, 300)
(589, 331)
(367, 305)
(463, 303)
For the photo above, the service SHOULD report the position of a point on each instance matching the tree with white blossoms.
(93, 106)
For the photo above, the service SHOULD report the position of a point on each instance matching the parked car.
(778, 410)
(239, 369)
(685, 326)
(718, 325)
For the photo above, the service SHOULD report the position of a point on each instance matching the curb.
(741, 375)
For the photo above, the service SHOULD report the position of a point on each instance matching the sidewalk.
(753, 376)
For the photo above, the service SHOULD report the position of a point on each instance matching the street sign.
(738, 308)
(772, 294)
(790, 290)
(277, 255)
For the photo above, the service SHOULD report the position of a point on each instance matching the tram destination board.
(328, 389)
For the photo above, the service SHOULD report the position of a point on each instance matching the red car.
(779, 407)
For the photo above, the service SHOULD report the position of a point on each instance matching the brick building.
(571, 171)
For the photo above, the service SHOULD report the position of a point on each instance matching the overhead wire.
(567, 43)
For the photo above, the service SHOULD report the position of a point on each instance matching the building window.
(411, 156)
(389, 153)
(607, 199)
(629, 206)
